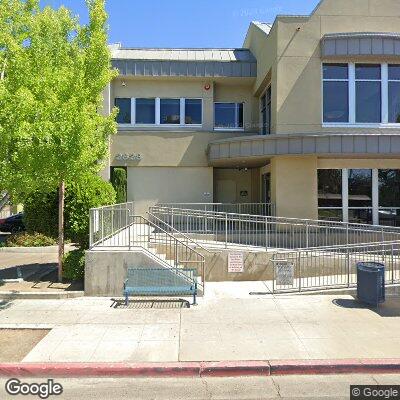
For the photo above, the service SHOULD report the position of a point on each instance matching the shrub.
(41, 209)
(29, 240)
(74, 265)
(118, 180)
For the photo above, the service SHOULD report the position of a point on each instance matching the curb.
(10, 295)
(203, 369)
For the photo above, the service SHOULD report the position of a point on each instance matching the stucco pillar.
(294, 187)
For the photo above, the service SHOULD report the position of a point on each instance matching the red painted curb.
(323, 367)
(197, 369)
(235, 368)
(101, 369)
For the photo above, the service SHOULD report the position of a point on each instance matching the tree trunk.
(61, 192)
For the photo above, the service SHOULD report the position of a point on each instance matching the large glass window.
(389, 197)
(330, 194)
(394, 93)
(145, 111)
(170, 110)
(336, 92)
(124, 110)
(370, 196)
(360, 196)
(368, 93)
(353, 93)
(193, 111)
(228, 115)
(266, 112)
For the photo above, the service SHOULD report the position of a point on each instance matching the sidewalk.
(228, 324)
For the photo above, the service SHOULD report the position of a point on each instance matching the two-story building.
(305, 115)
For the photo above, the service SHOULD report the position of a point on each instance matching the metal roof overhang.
(257, 150)
(372, 44)
(156, 68)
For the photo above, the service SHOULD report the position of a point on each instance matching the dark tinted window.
(193, 111)
(389, 188)
(329, 188)
(228, 115)
(360, 188)
(335, 71)
(394, 102)
(124, 110)
(394, 72)
(145, 111)
(336, 101)
(368, 71)
(368, 101)
(170, 111)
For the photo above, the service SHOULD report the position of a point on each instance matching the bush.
(118, 180)
(29, 240)
(41, 209)
(74, 265)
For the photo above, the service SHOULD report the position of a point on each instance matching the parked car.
(12, 224)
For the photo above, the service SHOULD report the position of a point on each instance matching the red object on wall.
(207, 86)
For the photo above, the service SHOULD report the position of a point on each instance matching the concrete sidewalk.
(228, 324)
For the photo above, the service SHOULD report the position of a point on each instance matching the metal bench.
(160, 281)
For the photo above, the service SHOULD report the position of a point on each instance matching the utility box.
(371, 282)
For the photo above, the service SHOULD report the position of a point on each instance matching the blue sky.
(186, 23)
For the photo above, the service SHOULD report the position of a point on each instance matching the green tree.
(53, 74)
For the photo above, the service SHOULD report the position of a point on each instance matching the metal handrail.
(271, 232)
(188, 238)
(318, 223)
(174, 239)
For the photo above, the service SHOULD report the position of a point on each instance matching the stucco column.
(294, 187)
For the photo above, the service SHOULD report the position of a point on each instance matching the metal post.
(266, 233)
(307, 233)
(226, 230)
(392, 263)
(299, 270)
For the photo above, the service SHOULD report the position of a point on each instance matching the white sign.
(284, 273)
(235, 263)
(128, 157)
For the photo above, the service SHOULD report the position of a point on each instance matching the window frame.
(235, 129)
(157, 117)
(389, 80)
(352, 98)
(262, 109)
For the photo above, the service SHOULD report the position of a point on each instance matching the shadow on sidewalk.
(150, 303)
(391, 307)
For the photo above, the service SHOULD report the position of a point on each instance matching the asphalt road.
(282, 387)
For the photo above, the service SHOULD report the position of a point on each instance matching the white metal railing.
(333, 267)
(116, 227)
(107, 221)
(236, 208)
(228, 229)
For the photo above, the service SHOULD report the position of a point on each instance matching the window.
(124, 110)
(368, 93)
(330, 194)
(228, 115)
(170, 111)
(266, 112)
(156, 111)
(364, 94)
(193, 112)
(336, 92)
(394, 94)
(360, 195)
(145, 111)
(389, 197)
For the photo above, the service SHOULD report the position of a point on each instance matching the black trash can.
(371, 282)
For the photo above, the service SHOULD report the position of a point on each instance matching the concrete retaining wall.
(105, 271)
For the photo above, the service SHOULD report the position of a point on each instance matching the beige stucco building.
(306, 115)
